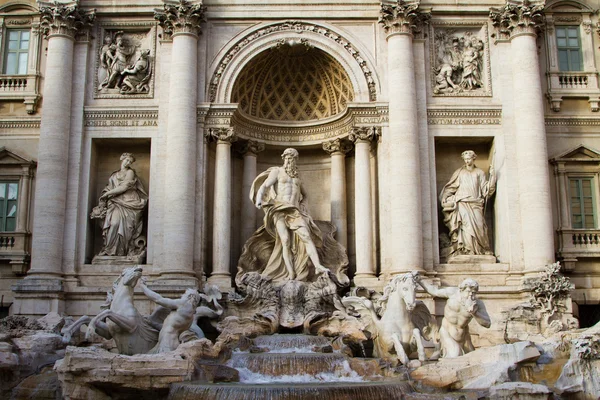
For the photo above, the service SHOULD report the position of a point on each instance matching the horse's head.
(406, 287)
(468, 294)
(130, 276)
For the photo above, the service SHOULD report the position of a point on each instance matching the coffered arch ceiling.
(292, 83)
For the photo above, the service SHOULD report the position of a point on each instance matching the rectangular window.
(9, 192)
(569, 48)
(16, 51)
(582, 203)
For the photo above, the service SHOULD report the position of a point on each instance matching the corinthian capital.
(221, 135)
(337, 146)
(518, 17)
(251, 146)
(180, 16)
(64, 18)
(402, 17)
(364, 133)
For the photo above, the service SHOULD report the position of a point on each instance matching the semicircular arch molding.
(233, 58)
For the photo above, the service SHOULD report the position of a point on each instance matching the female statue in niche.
(463, 201)
(121, 205)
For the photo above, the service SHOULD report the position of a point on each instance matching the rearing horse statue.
(398, 322)
(121, 321)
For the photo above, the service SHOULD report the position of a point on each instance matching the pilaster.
(249, 151)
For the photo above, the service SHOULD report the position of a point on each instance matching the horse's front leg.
(96, 322)
(419, 340)
(402, 357)
(124, 323)
(68, 331)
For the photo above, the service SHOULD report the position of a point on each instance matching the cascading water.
(292, 370)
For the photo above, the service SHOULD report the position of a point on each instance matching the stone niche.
(448, 159)
(104, 160)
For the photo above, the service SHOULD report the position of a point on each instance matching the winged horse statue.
(397, 322)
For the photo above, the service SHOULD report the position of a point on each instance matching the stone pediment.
(579, 153)
(8, 157)
(568, 6)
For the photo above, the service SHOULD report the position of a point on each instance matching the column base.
(36, 297)
(222, 281)
(367, 280)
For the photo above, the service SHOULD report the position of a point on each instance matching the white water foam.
(343, 373)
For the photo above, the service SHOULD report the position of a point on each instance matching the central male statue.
(289, 245)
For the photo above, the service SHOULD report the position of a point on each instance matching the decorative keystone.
(337, 146)
(518, 18)
(399, 17)
(180, 17)
(65, 19)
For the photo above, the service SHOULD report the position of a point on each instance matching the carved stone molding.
(121, 118)
(297, 27)
(65, 19)
(184, 17)
(364, 133)
(516, 19)
(221, 135)
(251, 146)
(33, 123)
(464, 117)
(573, 121)
(337, 146)
(403, 17)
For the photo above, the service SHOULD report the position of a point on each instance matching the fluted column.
(249, 151)
(363, 209)
(182, 22)
(339, 213)
(221, 275)
(60, 23)
(404, 185)
(521, 22)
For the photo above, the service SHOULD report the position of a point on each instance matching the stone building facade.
(380, 98)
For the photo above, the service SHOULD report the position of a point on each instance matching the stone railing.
(573, 84)
(21, 87)
(575, 243)
(14, 247)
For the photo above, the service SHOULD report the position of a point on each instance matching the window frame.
(568, 49)
(4, 205)
(594, 188)
(18, 51)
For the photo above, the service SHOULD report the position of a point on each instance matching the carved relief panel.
(125, 61)
(460, 61)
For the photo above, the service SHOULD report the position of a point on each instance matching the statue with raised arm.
(463, 201)
(462, 306)
(121, 205)
(137, 76)
(184, 312)
(289, 245)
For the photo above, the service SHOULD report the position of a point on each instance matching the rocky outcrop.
(479, 369)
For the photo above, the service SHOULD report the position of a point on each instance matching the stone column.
(182, 22)
(249, 151)
(339, 214)
(22, 219)
(521, 22)
(363, 209)
(221, 275)
(60, 23)
(399, 21)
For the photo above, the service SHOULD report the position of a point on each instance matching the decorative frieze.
(184, 17)
(464, 117)
(122, 118)
(337, 146)
(515, 19)
(402, 17)
(65, 19)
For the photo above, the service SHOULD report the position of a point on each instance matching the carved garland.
(297, 27)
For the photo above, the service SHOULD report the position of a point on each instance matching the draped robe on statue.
(463, 200)
(263, 252)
